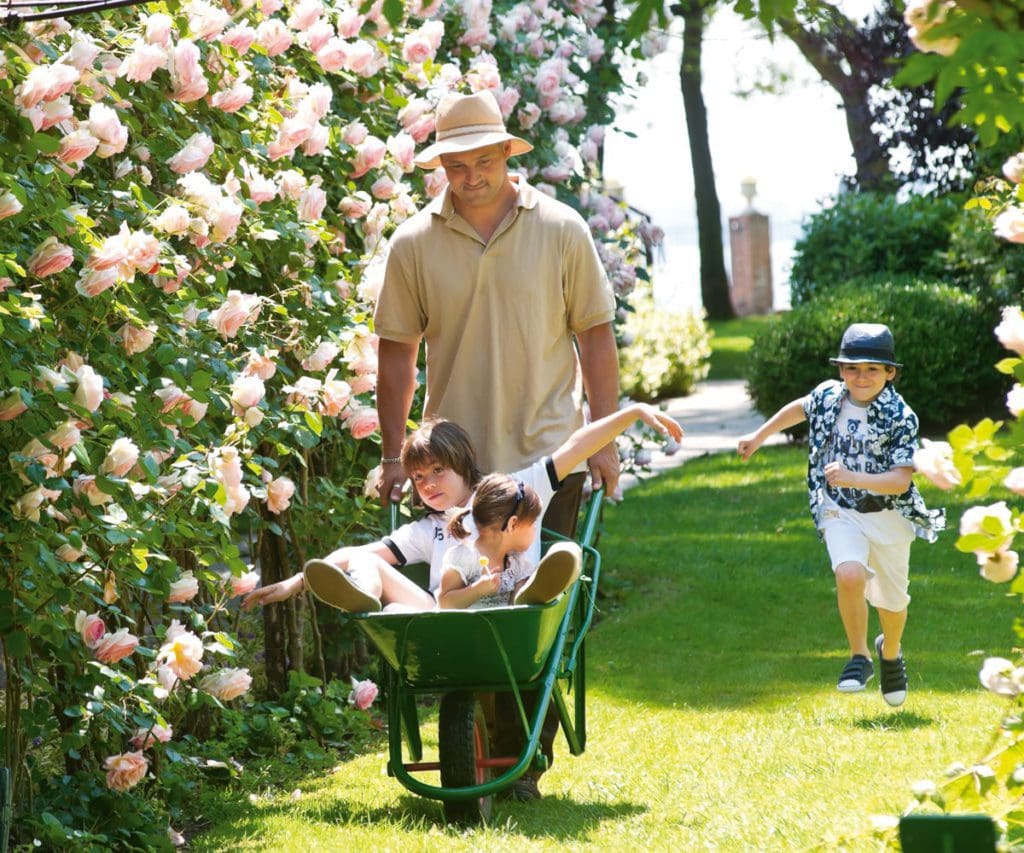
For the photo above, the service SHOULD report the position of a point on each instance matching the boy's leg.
(893, 622)
(851, 581)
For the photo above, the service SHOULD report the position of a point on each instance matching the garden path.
(713, 417)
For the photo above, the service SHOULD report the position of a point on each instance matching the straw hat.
(466, 122)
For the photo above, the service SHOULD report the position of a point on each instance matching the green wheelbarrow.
(459, 654)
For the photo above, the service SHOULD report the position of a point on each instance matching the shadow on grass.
(555, 817)
(893, 721)
(733, 605)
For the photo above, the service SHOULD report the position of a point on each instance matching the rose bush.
(195, 206)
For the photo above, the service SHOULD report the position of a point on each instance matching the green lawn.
(713, 718)
(729, 345)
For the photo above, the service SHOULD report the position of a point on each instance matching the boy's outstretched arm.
(587, 439)
(788, 416)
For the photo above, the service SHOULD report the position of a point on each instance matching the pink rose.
(205, 21)
(181, 652)
(189, 82)
(11, 406)
(139, 65)
(125, 771)
(105, 125)
(66, 436)
(240, 37)
(158, 28)
(90, 627)
(113, 647)
(233, 99)
(305, 14)
(243, 584)
(355, 134)
(46, 83)
(383, 188)
(336, 394)
(273, 36)
(85, 485)
(321, 357)
(183, 589)
(193, 156)
(89, 393)
(359, 57)
(121, 457)
(935, 460)
(435, 182)
(50, 258)
(261, 364)
(1010, 225)
(317, 141)
(239, 309)
(135, 339)
(1010, 330)
(227, 684)
(246, 392)
(362, 423)
(279, 494)
(318, 35)
(363, 693)
(356, 206)
(145, 738)
(1014, 481)
(311, 204)
(1015, 400)
(999, 567)
(369, 155)
(331, 54)
(417, 48)
(350, 22)
(92, 282)
(9, 205)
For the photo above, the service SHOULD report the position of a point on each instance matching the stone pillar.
(750, 247)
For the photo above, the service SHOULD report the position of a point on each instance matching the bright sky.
(794, 145)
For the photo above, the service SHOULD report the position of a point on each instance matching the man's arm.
(599, 360)
(396, 383)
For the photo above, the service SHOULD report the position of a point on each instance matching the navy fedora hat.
(867, 342)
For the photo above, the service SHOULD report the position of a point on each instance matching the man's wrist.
(390, 460)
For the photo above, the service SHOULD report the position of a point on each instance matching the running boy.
(862, 437)
(440, 461)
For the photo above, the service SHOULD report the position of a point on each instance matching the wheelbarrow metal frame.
(564, 660)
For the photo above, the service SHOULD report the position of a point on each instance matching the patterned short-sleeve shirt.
(891, 440)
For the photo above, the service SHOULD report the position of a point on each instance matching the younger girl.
(440, 461)
(490, 567)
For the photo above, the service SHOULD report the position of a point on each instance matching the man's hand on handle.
(605, 468)
(389, 484)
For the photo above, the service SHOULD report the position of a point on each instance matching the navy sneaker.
(856, 674)
(893, 678)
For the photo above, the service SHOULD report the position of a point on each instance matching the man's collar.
(526, 198)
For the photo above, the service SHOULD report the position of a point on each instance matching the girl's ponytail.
(457, 527)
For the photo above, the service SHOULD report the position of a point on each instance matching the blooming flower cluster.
(195, 234)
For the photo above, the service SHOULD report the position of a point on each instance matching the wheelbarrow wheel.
(462, 744)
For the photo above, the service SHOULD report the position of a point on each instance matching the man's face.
(477, 177)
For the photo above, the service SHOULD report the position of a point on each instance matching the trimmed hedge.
(943, 338)
(869, 234)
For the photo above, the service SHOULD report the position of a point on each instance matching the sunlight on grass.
(714, 722)
(730, 343)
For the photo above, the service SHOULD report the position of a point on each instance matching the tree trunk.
(841, 72)
(275, 617)
(714, 282)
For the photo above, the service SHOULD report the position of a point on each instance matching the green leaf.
(201, 380)
(16, 644)
(315, 423)
(1006, 365)
(45, 143)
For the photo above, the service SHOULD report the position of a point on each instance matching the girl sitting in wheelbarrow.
(440, 461)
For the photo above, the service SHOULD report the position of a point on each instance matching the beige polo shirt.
(498, 320)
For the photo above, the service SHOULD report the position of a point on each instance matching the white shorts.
(879, 541)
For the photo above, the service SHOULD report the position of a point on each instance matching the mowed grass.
(714, 723)
(730, 344)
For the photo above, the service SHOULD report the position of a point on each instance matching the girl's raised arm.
(583, 443)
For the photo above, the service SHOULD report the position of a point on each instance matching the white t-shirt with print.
(426, 540)
(465, 559)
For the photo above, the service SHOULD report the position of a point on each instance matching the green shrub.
(943, 338)
(867, 234)
(978, 261)
(667, 353)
